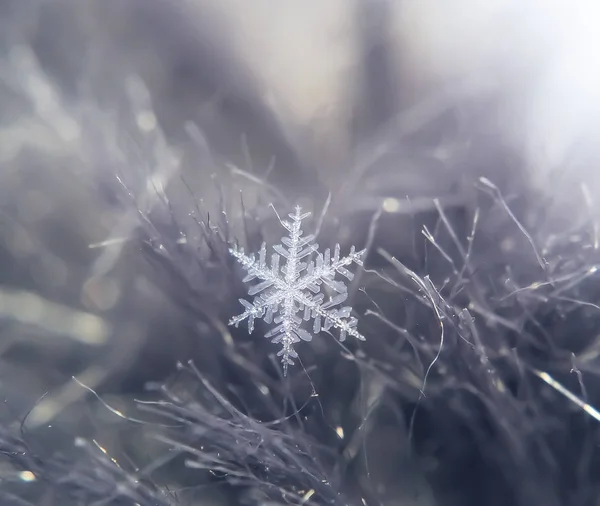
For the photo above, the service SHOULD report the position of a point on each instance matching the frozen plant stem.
(284, 292)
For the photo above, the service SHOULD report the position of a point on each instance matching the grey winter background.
(455, 142)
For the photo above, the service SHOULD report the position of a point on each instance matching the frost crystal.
(283, 293)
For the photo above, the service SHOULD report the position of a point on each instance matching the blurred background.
(139, 138)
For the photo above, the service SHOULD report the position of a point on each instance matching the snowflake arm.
(268, 276)
(284, 292)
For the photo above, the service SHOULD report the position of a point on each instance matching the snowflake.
(284, 292)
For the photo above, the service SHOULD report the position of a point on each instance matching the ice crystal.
(284, 292)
